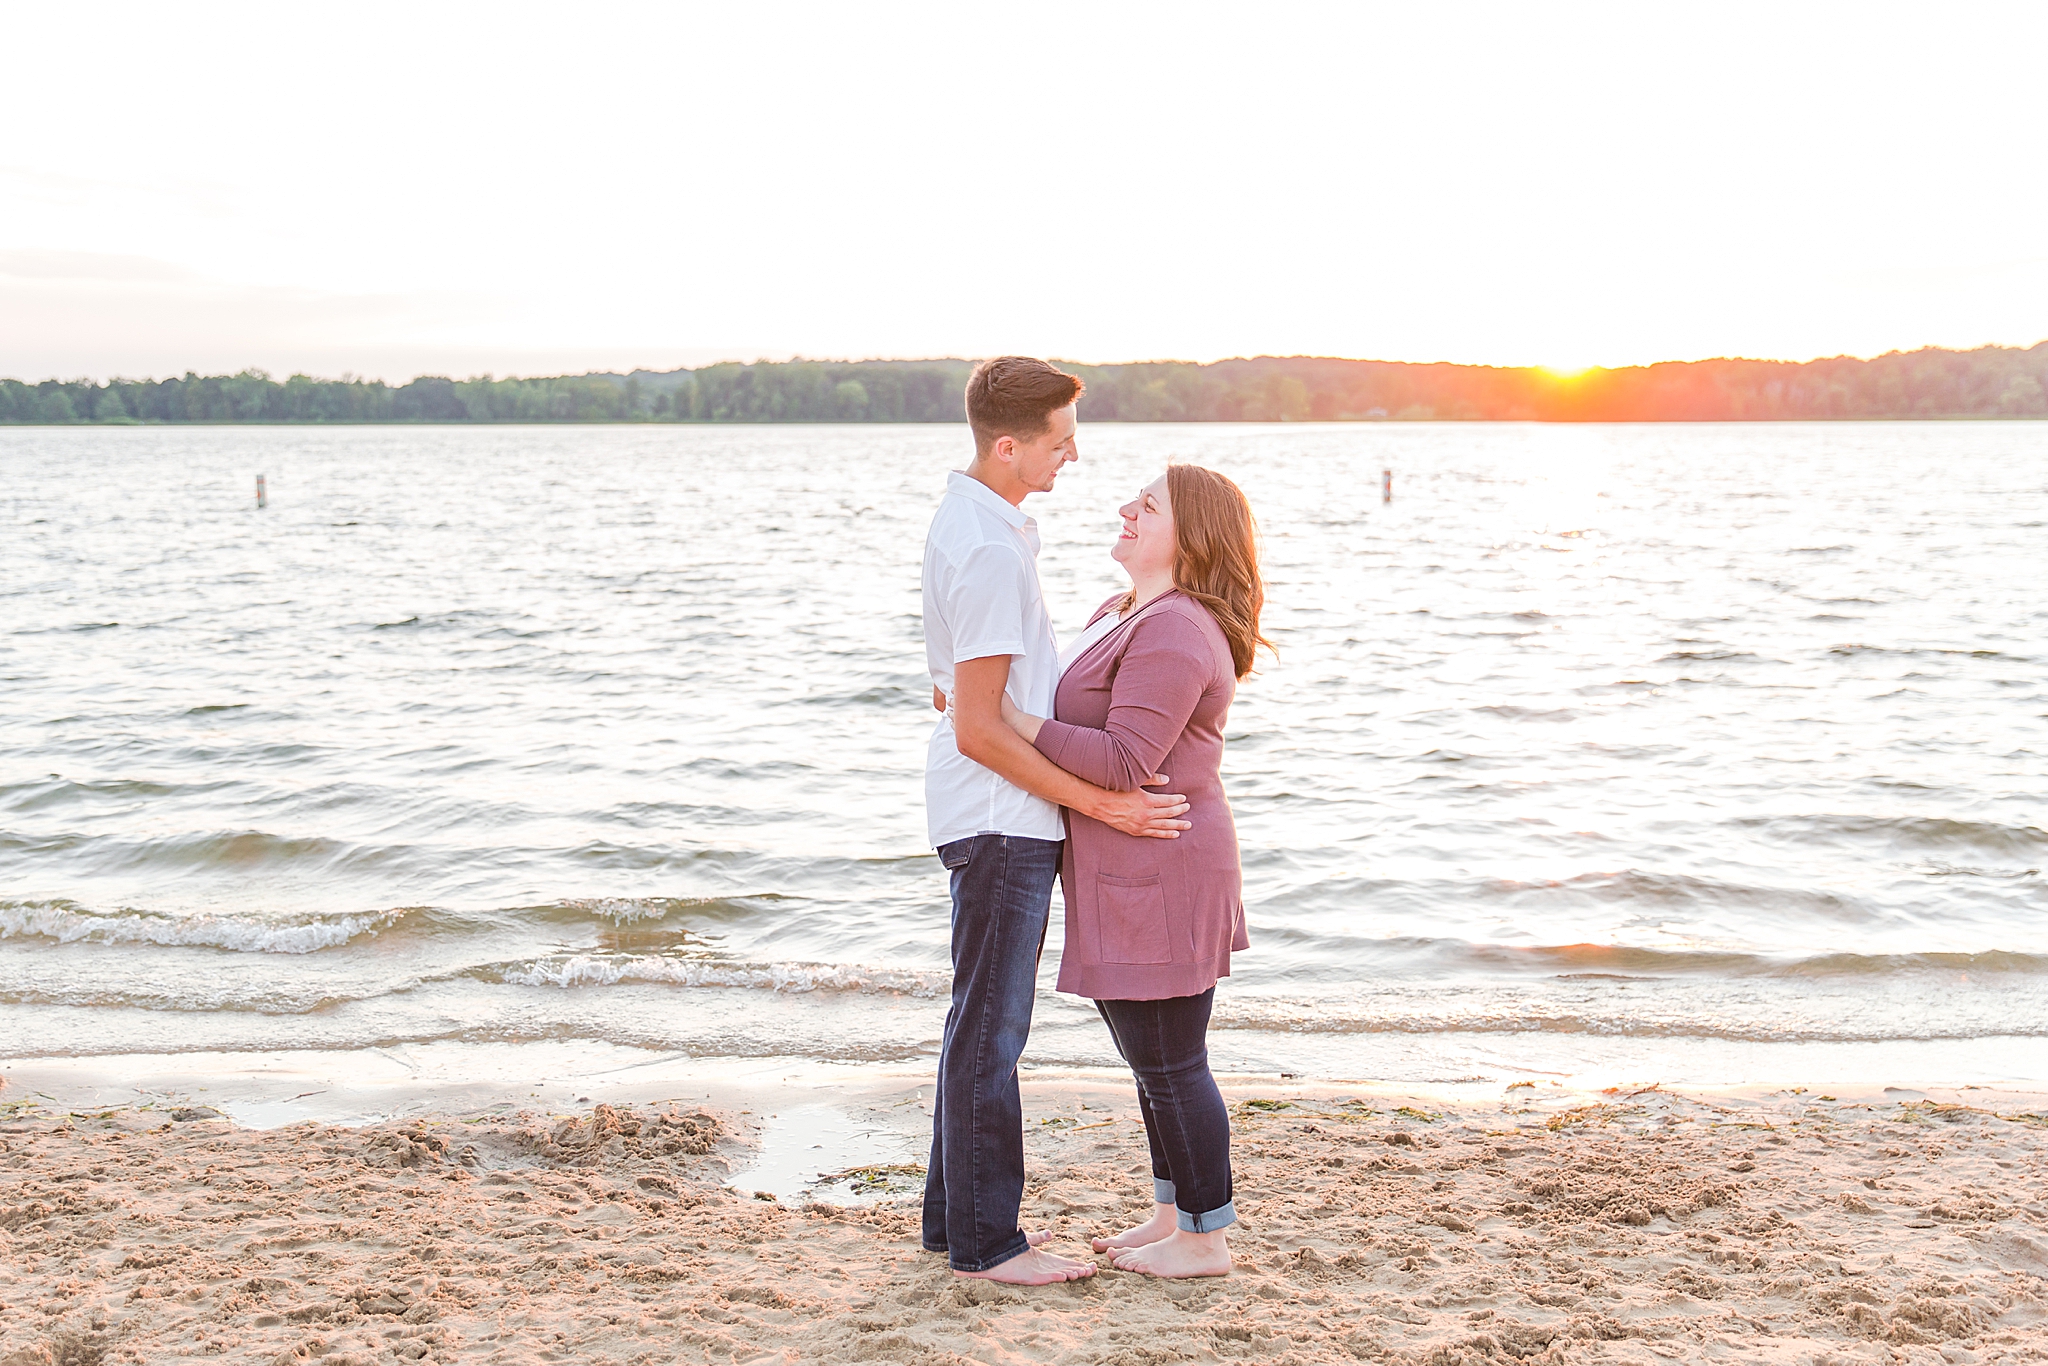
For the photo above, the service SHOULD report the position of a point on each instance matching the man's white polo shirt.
(981, 598)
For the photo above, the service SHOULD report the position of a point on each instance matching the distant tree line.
(1991, 381)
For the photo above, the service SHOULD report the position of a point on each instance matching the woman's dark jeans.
(1167, 1045)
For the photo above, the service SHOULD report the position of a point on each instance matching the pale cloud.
(87, 314)
(32, 264)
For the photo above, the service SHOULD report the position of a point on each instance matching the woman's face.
(1145, 544)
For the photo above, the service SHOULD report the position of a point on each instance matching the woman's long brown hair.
(1216, 555)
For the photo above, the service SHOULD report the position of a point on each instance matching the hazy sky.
(452, 188)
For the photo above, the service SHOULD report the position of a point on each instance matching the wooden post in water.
(1386, 486)
(262, 498)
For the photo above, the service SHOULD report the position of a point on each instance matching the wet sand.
(1537, 1224)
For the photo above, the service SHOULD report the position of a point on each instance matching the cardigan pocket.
(1130, 920)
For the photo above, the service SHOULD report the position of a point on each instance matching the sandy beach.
(1480, 577)
(1544, 1225)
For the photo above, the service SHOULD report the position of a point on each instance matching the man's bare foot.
(1163, 1221)
(1179, 1254)
(1034, 1266)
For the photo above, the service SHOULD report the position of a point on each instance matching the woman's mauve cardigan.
(1149, 919)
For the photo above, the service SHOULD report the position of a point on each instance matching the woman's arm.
(981, 736)
(1159, 681)
(1023, 722)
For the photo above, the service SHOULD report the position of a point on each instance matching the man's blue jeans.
(1002, 893)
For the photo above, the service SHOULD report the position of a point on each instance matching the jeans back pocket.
(1130, 920)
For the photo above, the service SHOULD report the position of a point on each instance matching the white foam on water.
(588, 970)
(68, 925)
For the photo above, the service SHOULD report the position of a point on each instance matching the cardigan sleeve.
(1159, 679)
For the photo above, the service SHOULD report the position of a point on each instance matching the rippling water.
(1594, 738)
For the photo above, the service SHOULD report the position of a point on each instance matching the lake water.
(1714, 753)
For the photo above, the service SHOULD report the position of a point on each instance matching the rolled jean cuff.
(1162, 1191)
(1222, 1217)
(1015, 1246)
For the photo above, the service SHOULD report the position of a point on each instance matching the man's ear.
(1004, 449)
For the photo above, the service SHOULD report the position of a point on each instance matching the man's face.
(1039, 460)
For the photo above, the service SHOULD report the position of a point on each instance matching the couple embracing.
(1151, 880)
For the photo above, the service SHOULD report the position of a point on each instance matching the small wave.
(1648, 892)
(592, 970)
(1706, 656)
(69, 923)
(237, 849)
(1584, 961)
(1590, 961)
(54, 791)
(1880, 964)
(1623, 1024)
(1910, 651)
(1919, 832)
(1936, 868)
(893, 695)
(1636, 885)
(1601, 977)
(197, 998)
(206, 852)
(1413, 956)
(629, 910)
(466, 617)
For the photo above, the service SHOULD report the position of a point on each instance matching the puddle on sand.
(872, 1158)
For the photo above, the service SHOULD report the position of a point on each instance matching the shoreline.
(365, 1084)
(1438, 1225)
(783, 1109)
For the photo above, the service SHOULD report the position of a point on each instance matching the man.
(993, 805)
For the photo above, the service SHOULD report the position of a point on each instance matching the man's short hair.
(1015, 396)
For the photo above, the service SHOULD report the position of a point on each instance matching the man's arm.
(983, 736)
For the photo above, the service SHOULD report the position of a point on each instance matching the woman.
(1151, 923)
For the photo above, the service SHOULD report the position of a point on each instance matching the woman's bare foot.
(1179, 1254)
(1163, 1221)
(1033, 1266)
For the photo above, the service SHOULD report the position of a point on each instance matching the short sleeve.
(984, 601)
